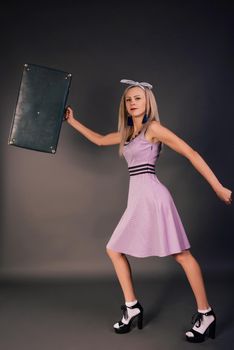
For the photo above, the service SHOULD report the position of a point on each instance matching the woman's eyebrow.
(134, 96)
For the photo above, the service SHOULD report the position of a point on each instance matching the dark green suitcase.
(40, 107)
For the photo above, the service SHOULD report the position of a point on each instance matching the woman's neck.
(137, 124)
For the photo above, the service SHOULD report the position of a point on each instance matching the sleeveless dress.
(150, 224)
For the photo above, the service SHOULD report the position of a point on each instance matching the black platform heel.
(210, 330)
(125, 328)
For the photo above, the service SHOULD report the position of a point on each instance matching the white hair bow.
(136, 83)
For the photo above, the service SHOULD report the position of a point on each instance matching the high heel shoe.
(209, 331)
(121, 327)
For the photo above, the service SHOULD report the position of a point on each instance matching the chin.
(137, 114)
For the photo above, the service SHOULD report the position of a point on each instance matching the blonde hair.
(125, 129)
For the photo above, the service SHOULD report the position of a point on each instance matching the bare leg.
(124, 274)
(194, 275)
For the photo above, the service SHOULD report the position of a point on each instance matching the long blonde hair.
(125, 129)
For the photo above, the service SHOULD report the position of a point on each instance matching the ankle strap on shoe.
(211, 312)
(124, 307)
(197, 317)
(137, 305)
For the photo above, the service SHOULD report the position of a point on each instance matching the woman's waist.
(139, 169)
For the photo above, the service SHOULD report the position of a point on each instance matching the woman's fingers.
(68, 112)
(225, 195)
(230, 198)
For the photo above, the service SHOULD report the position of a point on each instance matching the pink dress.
(150, 224)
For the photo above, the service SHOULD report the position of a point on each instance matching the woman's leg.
(132, 307)
(194, 275)
(205, 317)
(124, 274)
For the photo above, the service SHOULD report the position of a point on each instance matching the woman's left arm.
(177, 144)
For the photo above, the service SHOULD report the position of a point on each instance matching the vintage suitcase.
(40, 106)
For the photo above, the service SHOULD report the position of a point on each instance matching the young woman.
(151, 225)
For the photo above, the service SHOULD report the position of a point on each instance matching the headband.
(136, 83)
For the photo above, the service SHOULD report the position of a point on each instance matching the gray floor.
(79, 313)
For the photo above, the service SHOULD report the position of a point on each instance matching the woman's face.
(135, 101)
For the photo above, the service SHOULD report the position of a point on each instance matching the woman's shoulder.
(150, 130)
(154, 122)
(154, 125)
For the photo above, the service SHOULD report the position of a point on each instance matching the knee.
(112, 254)
(182, 257)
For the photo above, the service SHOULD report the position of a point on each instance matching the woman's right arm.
(100, 140)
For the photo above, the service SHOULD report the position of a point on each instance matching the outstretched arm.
(177, 144)
(100, 140)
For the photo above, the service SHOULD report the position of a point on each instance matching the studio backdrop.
(59, 210)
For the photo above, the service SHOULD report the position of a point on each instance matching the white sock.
(205, 322)
(130, 303)
(131, 313)
(204, 310)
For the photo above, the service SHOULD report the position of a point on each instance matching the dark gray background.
(58, 212)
